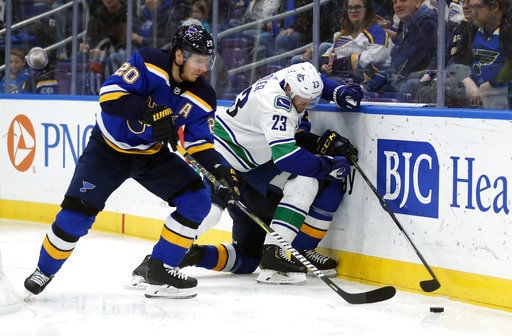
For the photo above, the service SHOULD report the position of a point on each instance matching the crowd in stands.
(389, 47)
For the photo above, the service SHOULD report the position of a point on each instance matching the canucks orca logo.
(86, 186)
(283, 103)
(408, 177)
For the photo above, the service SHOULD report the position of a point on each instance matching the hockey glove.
(305, 123)
(162, 124)
(340, 167)
(333, 144)
(228, 191)
(348, 97)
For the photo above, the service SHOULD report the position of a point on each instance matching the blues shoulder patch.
(283, 102)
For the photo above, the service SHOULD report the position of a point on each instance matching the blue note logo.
(408, 177)
(87, 186)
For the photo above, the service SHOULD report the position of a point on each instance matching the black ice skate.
(163, 281)
(325, 264)
(277, 268)
(138, 280)
(37, 282)
(194, 255)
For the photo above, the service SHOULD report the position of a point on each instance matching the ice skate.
(37, 282)
(324, 264)
(138, 280)
(276, 268)
(169, 282)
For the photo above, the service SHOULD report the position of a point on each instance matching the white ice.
(87, 297)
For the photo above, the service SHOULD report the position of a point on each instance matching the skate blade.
(137, 282)
(170, 292)
(272, 277)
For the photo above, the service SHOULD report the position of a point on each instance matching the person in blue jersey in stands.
(142, 105)
(19, 73)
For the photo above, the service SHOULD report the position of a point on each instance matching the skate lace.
(313, 255)
(39, 278)
(281, 254)
(175, 272)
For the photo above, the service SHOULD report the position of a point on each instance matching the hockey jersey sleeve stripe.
(229, 142)
(198, 101)
(200, 148)
(369, 36)
(234, 154)
(282, 150)
(157, 71)
(112, 96)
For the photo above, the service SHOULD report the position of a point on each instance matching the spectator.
(19, 73)
(106, 35)
(199, 12)
(415, 43)
(298, 30)
(40, 31)
(42, 79)
(489, 50)
(459, 38)
(458, 56)
(468, 64)
(154, 24)
(60, 28)
(264, 34)
(414, 47)
(235, 10)
(360, 43)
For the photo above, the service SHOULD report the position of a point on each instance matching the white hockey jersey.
(260, 126)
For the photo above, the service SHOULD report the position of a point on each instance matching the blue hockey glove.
(162, 124)
(333, 144)
(340, 167)
(305, 123)
(348, 97)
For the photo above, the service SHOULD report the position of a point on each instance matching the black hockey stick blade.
(430, 285)
(376, 295)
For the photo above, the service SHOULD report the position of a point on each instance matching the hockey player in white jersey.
(286, 174)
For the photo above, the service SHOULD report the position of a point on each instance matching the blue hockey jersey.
(143, 81)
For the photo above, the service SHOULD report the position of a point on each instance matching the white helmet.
(304, 81)
(37, 58)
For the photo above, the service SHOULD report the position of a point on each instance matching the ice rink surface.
(87, 297)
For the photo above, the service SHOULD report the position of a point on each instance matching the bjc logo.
(21, 143)
(408, 177)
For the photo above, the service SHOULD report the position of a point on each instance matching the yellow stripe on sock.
(54, 252)
(176, 239)
(223, 258)
(311, 231)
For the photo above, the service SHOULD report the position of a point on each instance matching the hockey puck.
(436, 309)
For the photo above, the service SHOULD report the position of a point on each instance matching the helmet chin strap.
(180, 68)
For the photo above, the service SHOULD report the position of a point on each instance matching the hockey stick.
(427, 285)
(376, 295)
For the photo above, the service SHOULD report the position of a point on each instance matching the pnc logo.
(21, 143)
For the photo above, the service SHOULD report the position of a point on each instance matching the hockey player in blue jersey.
(142, 104)
(285, 173)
